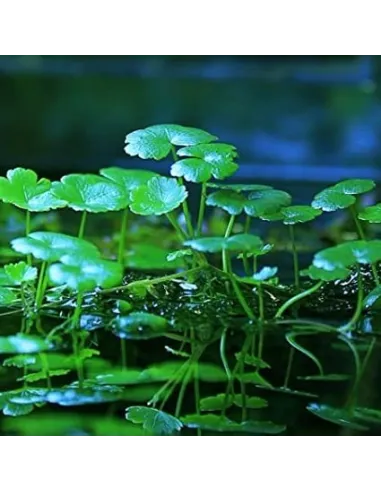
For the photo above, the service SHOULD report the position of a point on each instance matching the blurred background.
(294, 119)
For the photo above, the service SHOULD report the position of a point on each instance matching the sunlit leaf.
(23, 189)
(139, 326)
(348, 254)
(20, 361)
(158, 196)
(330, 200)
(38, 376)
(156, 142)
(154, 421)
(295, 214)
(181, 253)
(23, 344)
(20, 273)
(371, 214)
(354, 186)
(91, 193)
(372, 299)
(128, 179)
(51, 246)
(261, 203)
(238, 243)
(265, 274)
(71, 396)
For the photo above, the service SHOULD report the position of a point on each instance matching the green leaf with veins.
(7, 296)
(266, 202)
(91, 193)
(330, 200)
(51, 246)
(156, 142)
(204, 162)
(23, 344)
(179, 254)
(139, 326)
(84, 275)
(315, 273)
(294, 214)
(23, 189)
(348, 254)
(354, 186)
(128, 179)
(371, 214)
(20, 273)
(154, 421)
(158, 196)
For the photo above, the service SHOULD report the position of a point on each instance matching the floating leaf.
(250, 401)
(156, 142)
(251, 360)
(139, 326)
(71, 396)
(7, 296)
(158, 196)
(348, 254)
(371, 214)
(20, 273)
(154, 421)
(372, 299)
(295, 214)
(330, 200)
(23, 344)
(23, 189)
(339, 416)
(91, 193)
(82, 276)
(265, 202)
(315, 273)
(233, 202)
(29, 396)
(212, 403)
(128, 179)
(51, 246)
(354, 186)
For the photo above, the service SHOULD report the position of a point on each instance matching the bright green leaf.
(250, 401)
(265, 202)
(354, 186)
(212, 403)
(7, 296)
(315, 273)
(239, 187)
(23, 344)
(20, 273)
(330, 200)
(154, 421)
(371, 214)
(373, 298)
(128, 179)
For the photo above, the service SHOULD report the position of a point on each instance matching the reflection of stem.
(255, 264)
(40, 285)
(201, 210)
(82, 224)
(122, 236)
(261, 303)
(225, 253)
(289, 365)
(223, 354)
(74, 333)
(361, 234)
(356, 315)
(295, 256)
(241, 298)
(123, 352)
(297, 298)
(358, 373)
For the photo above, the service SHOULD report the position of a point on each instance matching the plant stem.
(358, 373)
(40, 283)
(361, 235)
(122, 236)
(123, 352)
(225, 253)
(295, 257)
(182, 391)
(356, 315)
(255, 264)
(181, 234)
(74, 332)
(82, 225)
(45, 368)
(261, 303)
(201, 210)
(289, 365)
(223, 354)
(241, 298)
(185, 207)
(297, 298)
(27, 232)
(243, 390)
(247, 225)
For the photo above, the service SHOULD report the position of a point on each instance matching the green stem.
(361, 235)
(201, 210)
(74, 332)
(289, 366)
(40, 284)
(185, 207)
(261, 303)
(297, 298)
(241, 298)
(181, 234)
(27, 232)
(351, 401)
(225, 253)
(243, 390)
(82, 224)
(247, 225)
(123, 352)
(122, 236)
(261, 341)
(45, 368)
(295, 257)
(255, 264)
(356, 315)
(223, 354)
(182, 391)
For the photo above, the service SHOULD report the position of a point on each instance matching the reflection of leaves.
(217, 423)
(23, 344)
(139, 326)
(339, 416)
(154, 421)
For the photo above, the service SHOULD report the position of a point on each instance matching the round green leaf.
(265, 274)
(371, 214)
(330, 200)
(298, 214)
(250, 401)
(354, 186)
(91, 193)
(315, 273)
(159, 196)
(218, 423)
(20, 273)
(157, 141)
(213, 403)
(139, 326)
(239, 187)
(23, 344)
(23, 189)
(84, 275)
(348, 254)
(154, 421)
(266, 202)
(7, 296)
(128, 179)
(51, 246)
(233, 202)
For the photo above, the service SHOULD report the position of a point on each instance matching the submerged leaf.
(251, 360)
(139, 326)
(218, 423)
(15, 409)
(154, 421)
(325, 377)
(91, 193)
(23, 189)
(339, 416)
(52, 246)
(373, 298)
(158, 196)
(71, 396)
(157, 141)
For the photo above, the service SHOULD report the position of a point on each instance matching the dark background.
(310, 120)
